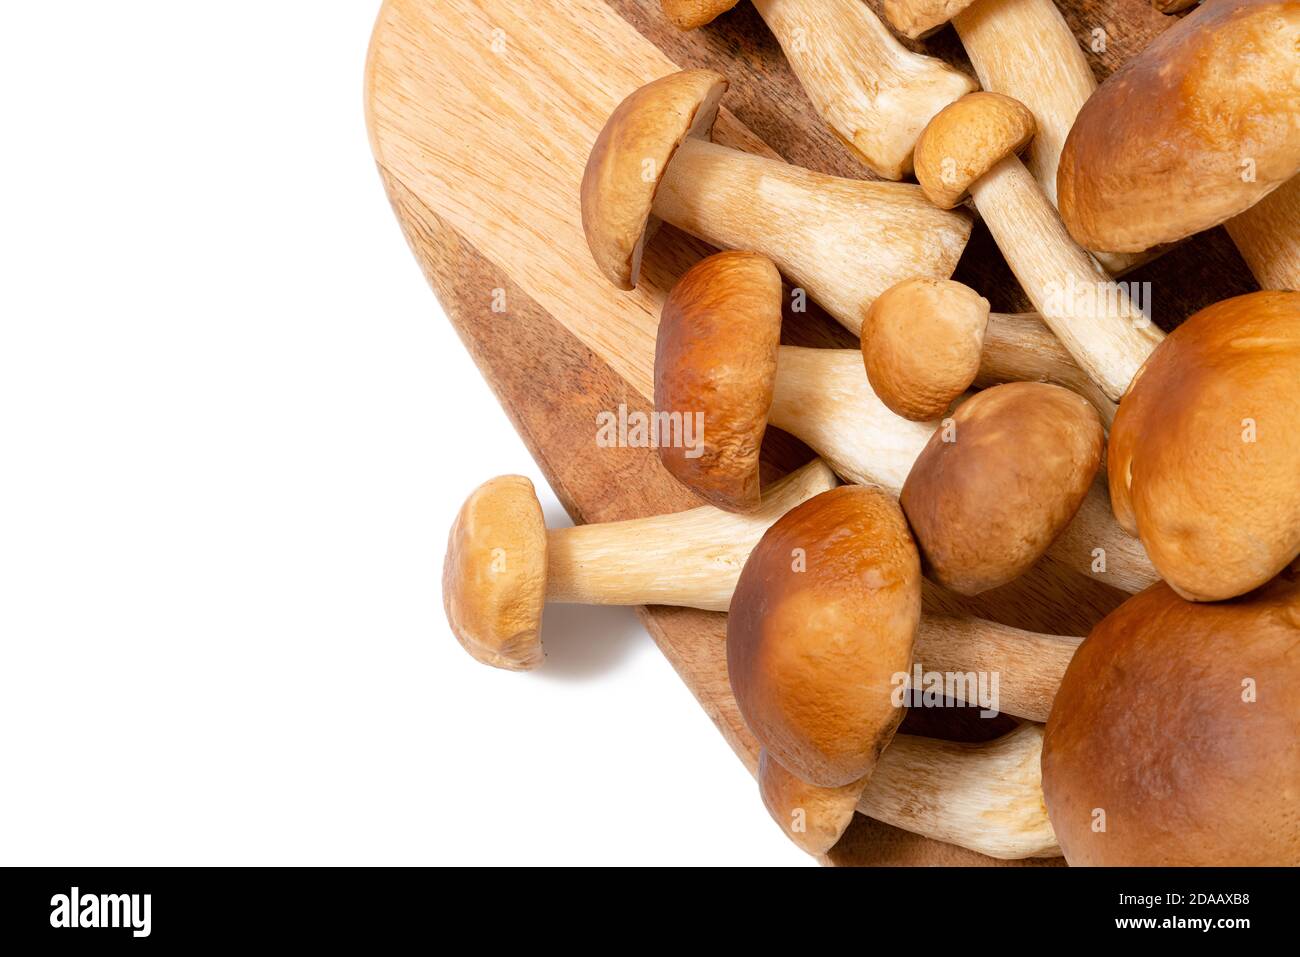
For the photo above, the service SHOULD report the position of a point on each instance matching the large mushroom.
(874, 93)
(1201, 128)
(503, 564)
(1175, 737)
(719, 356)
(843, 241)
(823, 627)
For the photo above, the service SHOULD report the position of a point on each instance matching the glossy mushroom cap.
(966, 140)
(995, 487)
(921, 343)
(814, 818)
(629, 159)
(494, 575)
(1196, 128)
(917, 18)
(1179, 723)
(716, 356)
(689, 14)
(1204, 458)
(821, 623)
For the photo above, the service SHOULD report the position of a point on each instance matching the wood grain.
(480, 138)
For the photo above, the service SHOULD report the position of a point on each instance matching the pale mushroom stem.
(984, 797)
(1029, 665)
(1268, 236)
(873, 92)
(842, 241)
(822, 396)
(690, 558)
(1093, 317)
(1024, 49)
(1019, 348)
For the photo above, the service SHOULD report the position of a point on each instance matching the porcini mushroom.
(1201, 126)
(994, 489)
(823, 624)
(971, 147)
(926, 341)
(1204, 463)
(843, 241)
(718, 355)
(1022, 49)
(1173, 739)
(873, 92)
(503, 565)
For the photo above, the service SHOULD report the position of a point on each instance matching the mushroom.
(823, 625)
(989, 494)
(718, 354)
(844, 241)
(1201, 128)
(503, 564)
(1022, 49)
(1204, 463)
(1173, 739)
(972, 146)
(923, 344)
(875, 94)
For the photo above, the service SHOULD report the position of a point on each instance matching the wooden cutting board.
(481, 114)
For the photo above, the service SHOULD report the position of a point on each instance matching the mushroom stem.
(1093, 318)
(874, 93)
(690, 558)
(843, 241)
(1020, 348)
(822, 397)
(1030, 666)
(1268, 236)
(984, 797)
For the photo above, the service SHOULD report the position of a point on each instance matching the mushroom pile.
(960, 449)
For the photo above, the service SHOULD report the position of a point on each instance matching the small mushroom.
(843, 241)
(992, 491)
(1201, 128)
(971, 147)
(873, 92)
(1204, 463)
(718, 355)
(503, 565)
(825, 620)
(926, 341)
(1173, 739)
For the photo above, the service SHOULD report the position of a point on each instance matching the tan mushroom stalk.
(1022, 49)
(972, 146)
(718, 355)
(1173, 739)
(925, 342)
(873, 92)
(1201, 128)
(843, 241)
(815, 651)
(503, 565)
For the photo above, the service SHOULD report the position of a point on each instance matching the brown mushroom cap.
(995, 487)
(917, 18)
(1180, 722)
(814, 818)
(1199, 126)
(965, 140)
(821, 623)
(689, 14)
(628, 161)
(921, 343)
(1204, 460)
(494, 575)
(716, 355)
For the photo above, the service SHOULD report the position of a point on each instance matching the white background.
(234, 430)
